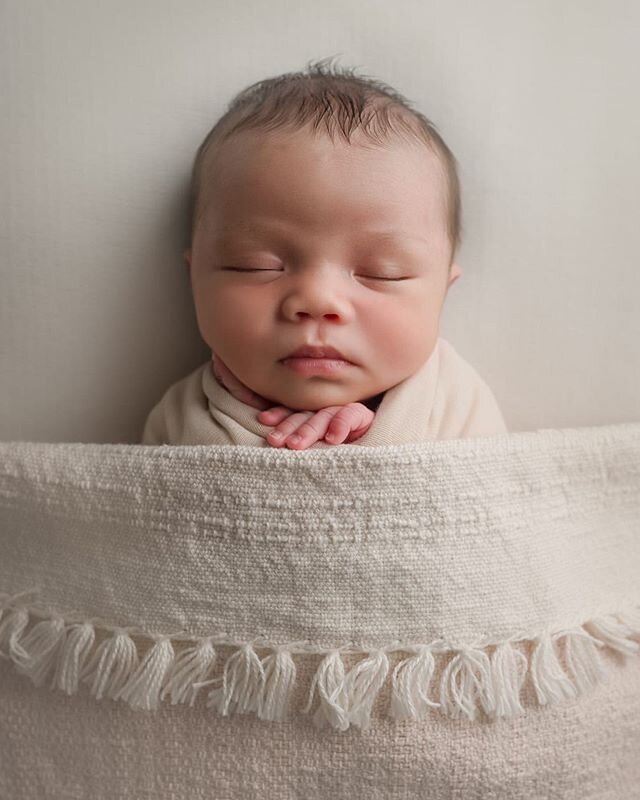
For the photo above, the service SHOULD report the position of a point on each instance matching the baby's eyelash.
(368, 277)
(373, 278)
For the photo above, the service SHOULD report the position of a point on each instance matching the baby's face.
(308, 242)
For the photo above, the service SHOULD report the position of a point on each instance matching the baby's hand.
(334, 424)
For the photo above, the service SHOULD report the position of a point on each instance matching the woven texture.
(453, 618)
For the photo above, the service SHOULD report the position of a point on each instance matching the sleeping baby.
(325, 218)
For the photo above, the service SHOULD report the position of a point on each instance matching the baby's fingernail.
(294, 439)
(276, 435)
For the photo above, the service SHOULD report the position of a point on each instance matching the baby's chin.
(314, 396)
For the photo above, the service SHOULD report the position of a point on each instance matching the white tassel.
(143, 688)
(73, 656)
(476, 678)
(40, 648)
(550, 682)
(362, 685)
(509, 668)
(242, 683)
(280, 676)
(471, 679)
(111, 665)
(329, 680)
(614, 634)
(632, 619)
(410, 684)
(584, 660)
(12, 627)
(190, 669)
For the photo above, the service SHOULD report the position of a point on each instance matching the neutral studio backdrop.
(104, 104)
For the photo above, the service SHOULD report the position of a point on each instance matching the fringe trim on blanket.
(486, 676)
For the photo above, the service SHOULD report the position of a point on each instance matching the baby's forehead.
(299, 176)
(253, 147)
(255, 159)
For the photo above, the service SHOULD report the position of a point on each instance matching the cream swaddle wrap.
(444, 399)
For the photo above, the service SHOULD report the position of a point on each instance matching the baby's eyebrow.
(235, 231)
(401, 238)
(230, 232)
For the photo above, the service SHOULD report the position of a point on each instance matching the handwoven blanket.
(448, 619)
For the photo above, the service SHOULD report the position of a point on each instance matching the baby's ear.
(456, 272)
(187, 260)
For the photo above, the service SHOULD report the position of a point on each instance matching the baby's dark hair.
(338, 98)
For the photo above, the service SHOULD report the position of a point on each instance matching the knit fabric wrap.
(447, 618)
(445, 399)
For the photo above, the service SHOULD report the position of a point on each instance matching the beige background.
(104, 104)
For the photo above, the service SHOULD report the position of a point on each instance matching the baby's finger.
(275, 415)
(351, 422)
(338, 429)
(313, 429)
(290, 425)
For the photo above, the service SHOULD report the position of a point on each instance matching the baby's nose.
(317, 300)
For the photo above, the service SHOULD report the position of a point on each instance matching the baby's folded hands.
(300, 429)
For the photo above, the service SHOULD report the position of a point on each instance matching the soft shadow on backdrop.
(104, 105)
